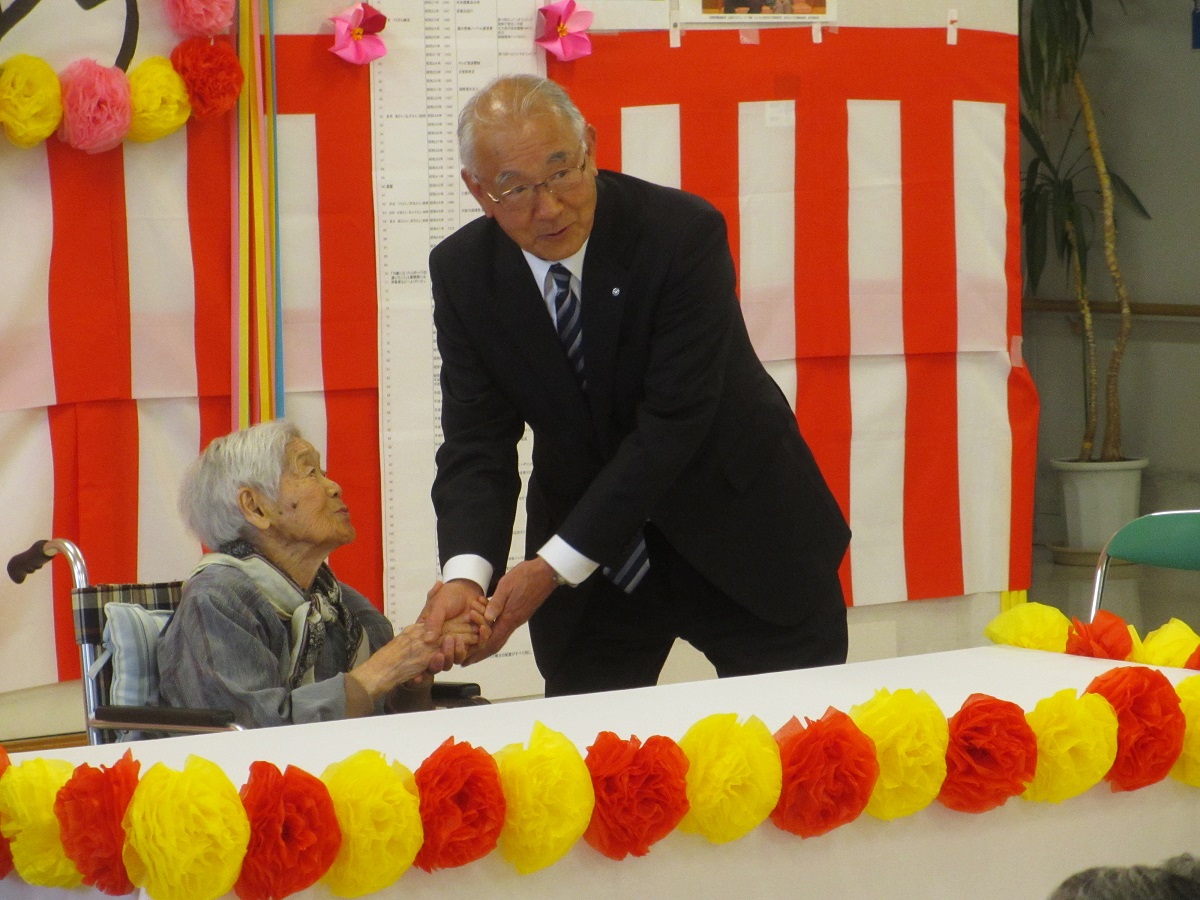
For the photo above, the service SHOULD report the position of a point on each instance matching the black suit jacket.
(681, 425)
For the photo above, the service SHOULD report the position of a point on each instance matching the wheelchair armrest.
(457, 693)
(165, 718)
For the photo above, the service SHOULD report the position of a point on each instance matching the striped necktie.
(568, 314)
(635, 561)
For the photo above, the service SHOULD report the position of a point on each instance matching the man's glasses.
(522, 197)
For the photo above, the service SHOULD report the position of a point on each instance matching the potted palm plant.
(1068, 194)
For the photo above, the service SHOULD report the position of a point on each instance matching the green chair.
(1169, 540)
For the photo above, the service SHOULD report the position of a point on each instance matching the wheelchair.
(117, 628)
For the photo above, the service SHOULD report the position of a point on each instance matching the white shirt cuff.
(468, 565)
(568, 562)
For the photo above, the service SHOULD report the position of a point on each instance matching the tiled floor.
(1145, 597)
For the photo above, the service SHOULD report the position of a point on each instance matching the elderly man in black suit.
(672, 495)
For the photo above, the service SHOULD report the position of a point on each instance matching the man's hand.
(518, 595)
(454, 616)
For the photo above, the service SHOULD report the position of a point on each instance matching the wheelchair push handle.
(29, 561)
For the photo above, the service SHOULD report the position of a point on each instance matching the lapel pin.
(616, 292)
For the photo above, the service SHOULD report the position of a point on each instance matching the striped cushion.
(131, 633)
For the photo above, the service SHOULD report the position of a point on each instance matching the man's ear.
(259, 511)
(476, 189)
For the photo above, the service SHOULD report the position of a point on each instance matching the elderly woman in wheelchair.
(264, 628)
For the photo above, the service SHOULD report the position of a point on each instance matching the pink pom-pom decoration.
(199, 18)
(97, 108)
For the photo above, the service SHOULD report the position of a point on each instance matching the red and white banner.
(870, 185)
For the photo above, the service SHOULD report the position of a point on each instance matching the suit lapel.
(520, 309)
(606, 281)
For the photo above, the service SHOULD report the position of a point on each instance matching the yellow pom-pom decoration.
(379, 813)
(30, 100)
(734, 776)
(1077, 744)
(1032, 625)
(159, 99)
(1170, 645)
(911, 736)
(27, 820)
(185, 832)
(549, 798)
(1187, 767)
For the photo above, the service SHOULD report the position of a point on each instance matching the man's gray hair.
(507, 100)
(253, 457)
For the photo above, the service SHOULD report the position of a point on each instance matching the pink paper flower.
(564, 33)
(355, 34)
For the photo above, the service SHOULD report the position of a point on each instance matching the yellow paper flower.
(734, 776)
(27, 820)
(1187, 767)
(159, 99)
(380, 816)
(185, 832)
(1170, 645)
(911, 736)
(549, 799)
(1032, 625)
(1077, 744)
(30, 100)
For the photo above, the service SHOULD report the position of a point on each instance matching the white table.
(1022, 850)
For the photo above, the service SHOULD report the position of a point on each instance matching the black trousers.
(623, 640)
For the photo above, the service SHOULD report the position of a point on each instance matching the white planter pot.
(1098, 498)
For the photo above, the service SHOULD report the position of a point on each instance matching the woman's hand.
(404, 657)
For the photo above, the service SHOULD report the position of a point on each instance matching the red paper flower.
(829, 771)
(6, 860)
(1150, 724)
(294, 833)
(89, 808)
(992, 755)
(212, 73)
(1107, 637)
(641, 793)
(1193, 661)
(462, 805)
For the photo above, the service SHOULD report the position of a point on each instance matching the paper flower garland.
(462, 805)
(97, 108)
(549, 799)
(1187, 767)
(90, 808)
(734, 778)
(641, 793)
(992, 755)
(356, 34)
(380, 817)
(159, 99)
(27, 820)
(30, 100)
(829, 771)
(212, 73)
(199, 18)
(186, 832)
(1150, 725)
(911, 737)
(1077, 744)
(1171, 645)
(6, 860)
(1105, 637)
(563, 34)
(294, 832)
(1032, 625)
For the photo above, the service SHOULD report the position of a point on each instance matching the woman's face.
(310, 509)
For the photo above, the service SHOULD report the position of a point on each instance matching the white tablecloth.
(1022, 850)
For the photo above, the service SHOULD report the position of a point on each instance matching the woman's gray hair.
(507, 100)
(253, 457)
